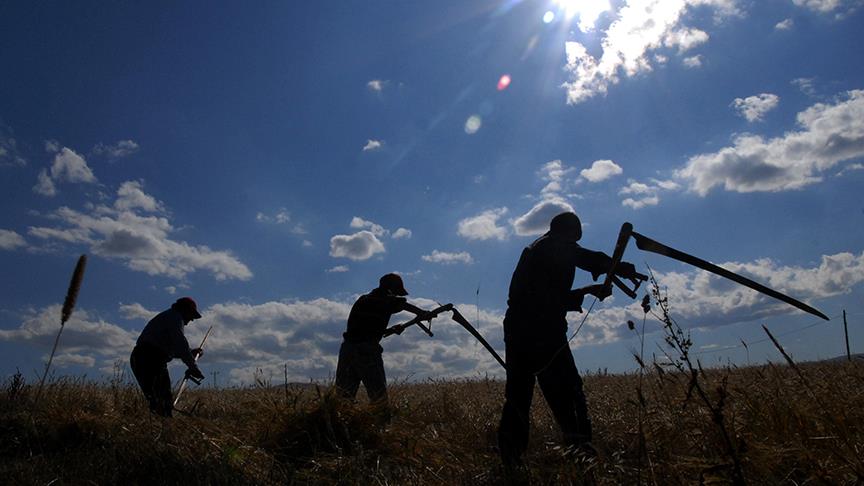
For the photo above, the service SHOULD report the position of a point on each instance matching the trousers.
(150, 368)
(549, 362)
(361, 362)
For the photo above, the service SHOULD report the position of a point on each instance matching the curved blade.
(647, 244)
(458, 317)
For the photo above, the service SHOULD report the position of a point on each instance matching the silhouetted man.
(161, 341)
(535, 335)
(360, 354)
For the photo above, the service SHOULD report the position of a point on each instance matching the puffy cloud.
(685, 39)
(692, 61)
(536, 220)
(359, 246)
(806, 85)
(281, 216)
(823, 6)
(643, 195)
(601, 170)
(131, 195)
(10, 240)
(141, 241)
(66, 360)
(554, 173)
(67, 166)
(401, 233)
(121, 148)
(84, 335)
(827, 135)
(753, 108)
(785, 24)
(372, 145)
(640, 28)
(44, 184)
(338, 269)
(448, 258)
(9, 155)
(375, 229)
(136, 311)
(484, 226)
(376, 85)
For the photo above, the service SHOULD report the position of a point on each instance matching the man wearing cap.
(360, 353)
(161, 341)
(535, 335)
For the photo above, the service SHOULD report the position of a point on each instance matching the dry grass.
(441, 432)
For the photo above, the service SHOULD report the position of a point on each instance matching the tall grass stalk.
(65, 314)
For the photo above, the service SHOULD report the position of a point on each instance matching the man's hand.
(195, 373)
(397, 329)
(599, 290)
(626, 270)
(197, 353)
(426, 315)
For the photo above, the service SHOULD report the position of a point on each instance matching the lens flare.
(548, 17)
(472, 124)
(504, 82)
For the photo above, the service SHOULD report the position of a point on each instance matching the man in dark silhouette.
(360, 354)
(161, 341)
(535, 335)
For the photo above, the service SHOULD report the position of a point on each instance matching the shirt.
(370, 315)
(540, 286)
(165, 332)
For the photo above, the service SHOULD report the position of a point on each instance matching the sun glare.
(588, 11)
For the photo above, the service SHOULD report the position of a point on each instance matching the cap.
(189, 304)
(393, 283)
(566, 223)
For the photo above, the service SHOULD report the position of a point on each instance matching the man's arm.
(597, 263)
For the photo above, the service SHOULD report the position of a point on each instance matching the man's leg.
(562, 388)
(145, 372)
(515, 417)
(347, 376)
(374, 378)
(162, 391)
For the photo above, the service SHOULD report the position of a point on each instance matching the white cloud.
(10, 240)
(376, 85)
(685, 39)
(643, 195)
(827, 135)
(554, 173)
(375, 229)
(806, 85)
(372, 145)
(9, 155)
(131, 195)
(601, 170)
(447, 258)
(281, 216)
(136, 311)
(823, 6)
(401, 233)
(141, 241)
(67, 166)
(639, 29)
(66, 360)
(484, 226)
(83, 335)
(754, 108)
(121, 148)
(359, 246)
(44, 184)
(693, 61)
(338, 269)
(536, 220)
(785, 24)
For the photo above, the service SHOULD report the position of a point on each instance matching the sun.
(588, 11)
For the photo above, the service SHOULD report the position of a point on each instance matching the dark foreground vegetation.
(775, 424)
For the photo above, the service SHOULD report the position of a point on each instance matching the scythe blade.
(647, 244)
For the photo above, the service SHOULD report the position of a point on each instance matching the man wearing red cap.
(360, 354)
(161, 341)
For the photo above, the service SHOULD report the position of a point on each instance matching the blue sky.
(274, 160)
